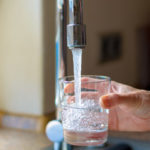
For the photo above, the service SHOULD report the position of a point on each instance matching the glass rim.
(63, 80)
(102, 77)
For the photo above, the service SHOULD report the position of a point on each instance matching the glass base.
(97, 147)
(85, 138)
(91, 143)
(65, 146)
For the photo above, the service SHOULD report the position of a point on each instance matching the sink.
(135, 144)
(137, 140)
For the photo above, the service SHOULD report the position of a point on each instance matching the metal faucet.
(76, 30)
(72, 35)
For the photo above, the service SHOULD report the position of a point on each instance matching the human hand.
(129, 107)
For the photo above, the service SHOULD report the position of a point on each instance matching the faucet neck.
(76, 30)
(75, 12)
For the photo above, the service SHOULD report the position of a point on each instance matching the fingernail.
(105, 101)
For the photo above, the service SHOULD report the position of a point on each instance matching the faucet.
(76, 30)
(61, 48)
(72, 36)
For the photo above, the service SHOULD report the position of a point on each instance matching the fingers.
(130, 101)
(85, 95)
(137, 103)
(85, 83)
(69, 88)
(89, 83)
(121, 88)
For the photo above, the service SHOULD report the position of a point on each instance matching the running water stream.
(77, 62)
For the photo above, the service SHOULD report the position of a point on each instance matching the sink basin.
(137, 140)
(135, 144)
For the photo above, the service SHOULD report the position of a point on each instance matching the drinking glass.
(85, 122)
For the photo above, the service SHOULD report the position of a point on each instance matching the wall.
(24, 83)
(48, 21)
(27, 48)
(125, 17)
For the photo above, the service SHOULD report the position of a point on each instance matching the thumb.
(130, 100)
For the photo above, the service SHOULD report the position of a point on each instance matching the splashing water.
(77, 61)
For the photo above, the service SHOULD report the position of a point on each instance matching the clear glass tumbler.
(84, 123)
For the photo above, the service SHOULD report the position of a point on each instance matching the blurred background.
(118, 45)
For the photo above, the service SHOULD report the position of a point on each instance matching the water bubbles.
(87, 117)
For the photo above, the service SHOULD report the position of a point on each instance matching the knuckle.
(85, 79)
(118, 97)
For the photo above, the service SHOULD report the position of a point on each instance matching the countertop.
(23, 140)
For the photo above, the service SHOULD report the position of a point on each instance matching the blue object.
(54, 131)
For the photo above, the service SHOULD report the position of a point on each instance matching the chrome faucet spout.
(75, 11)
(76, 30)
